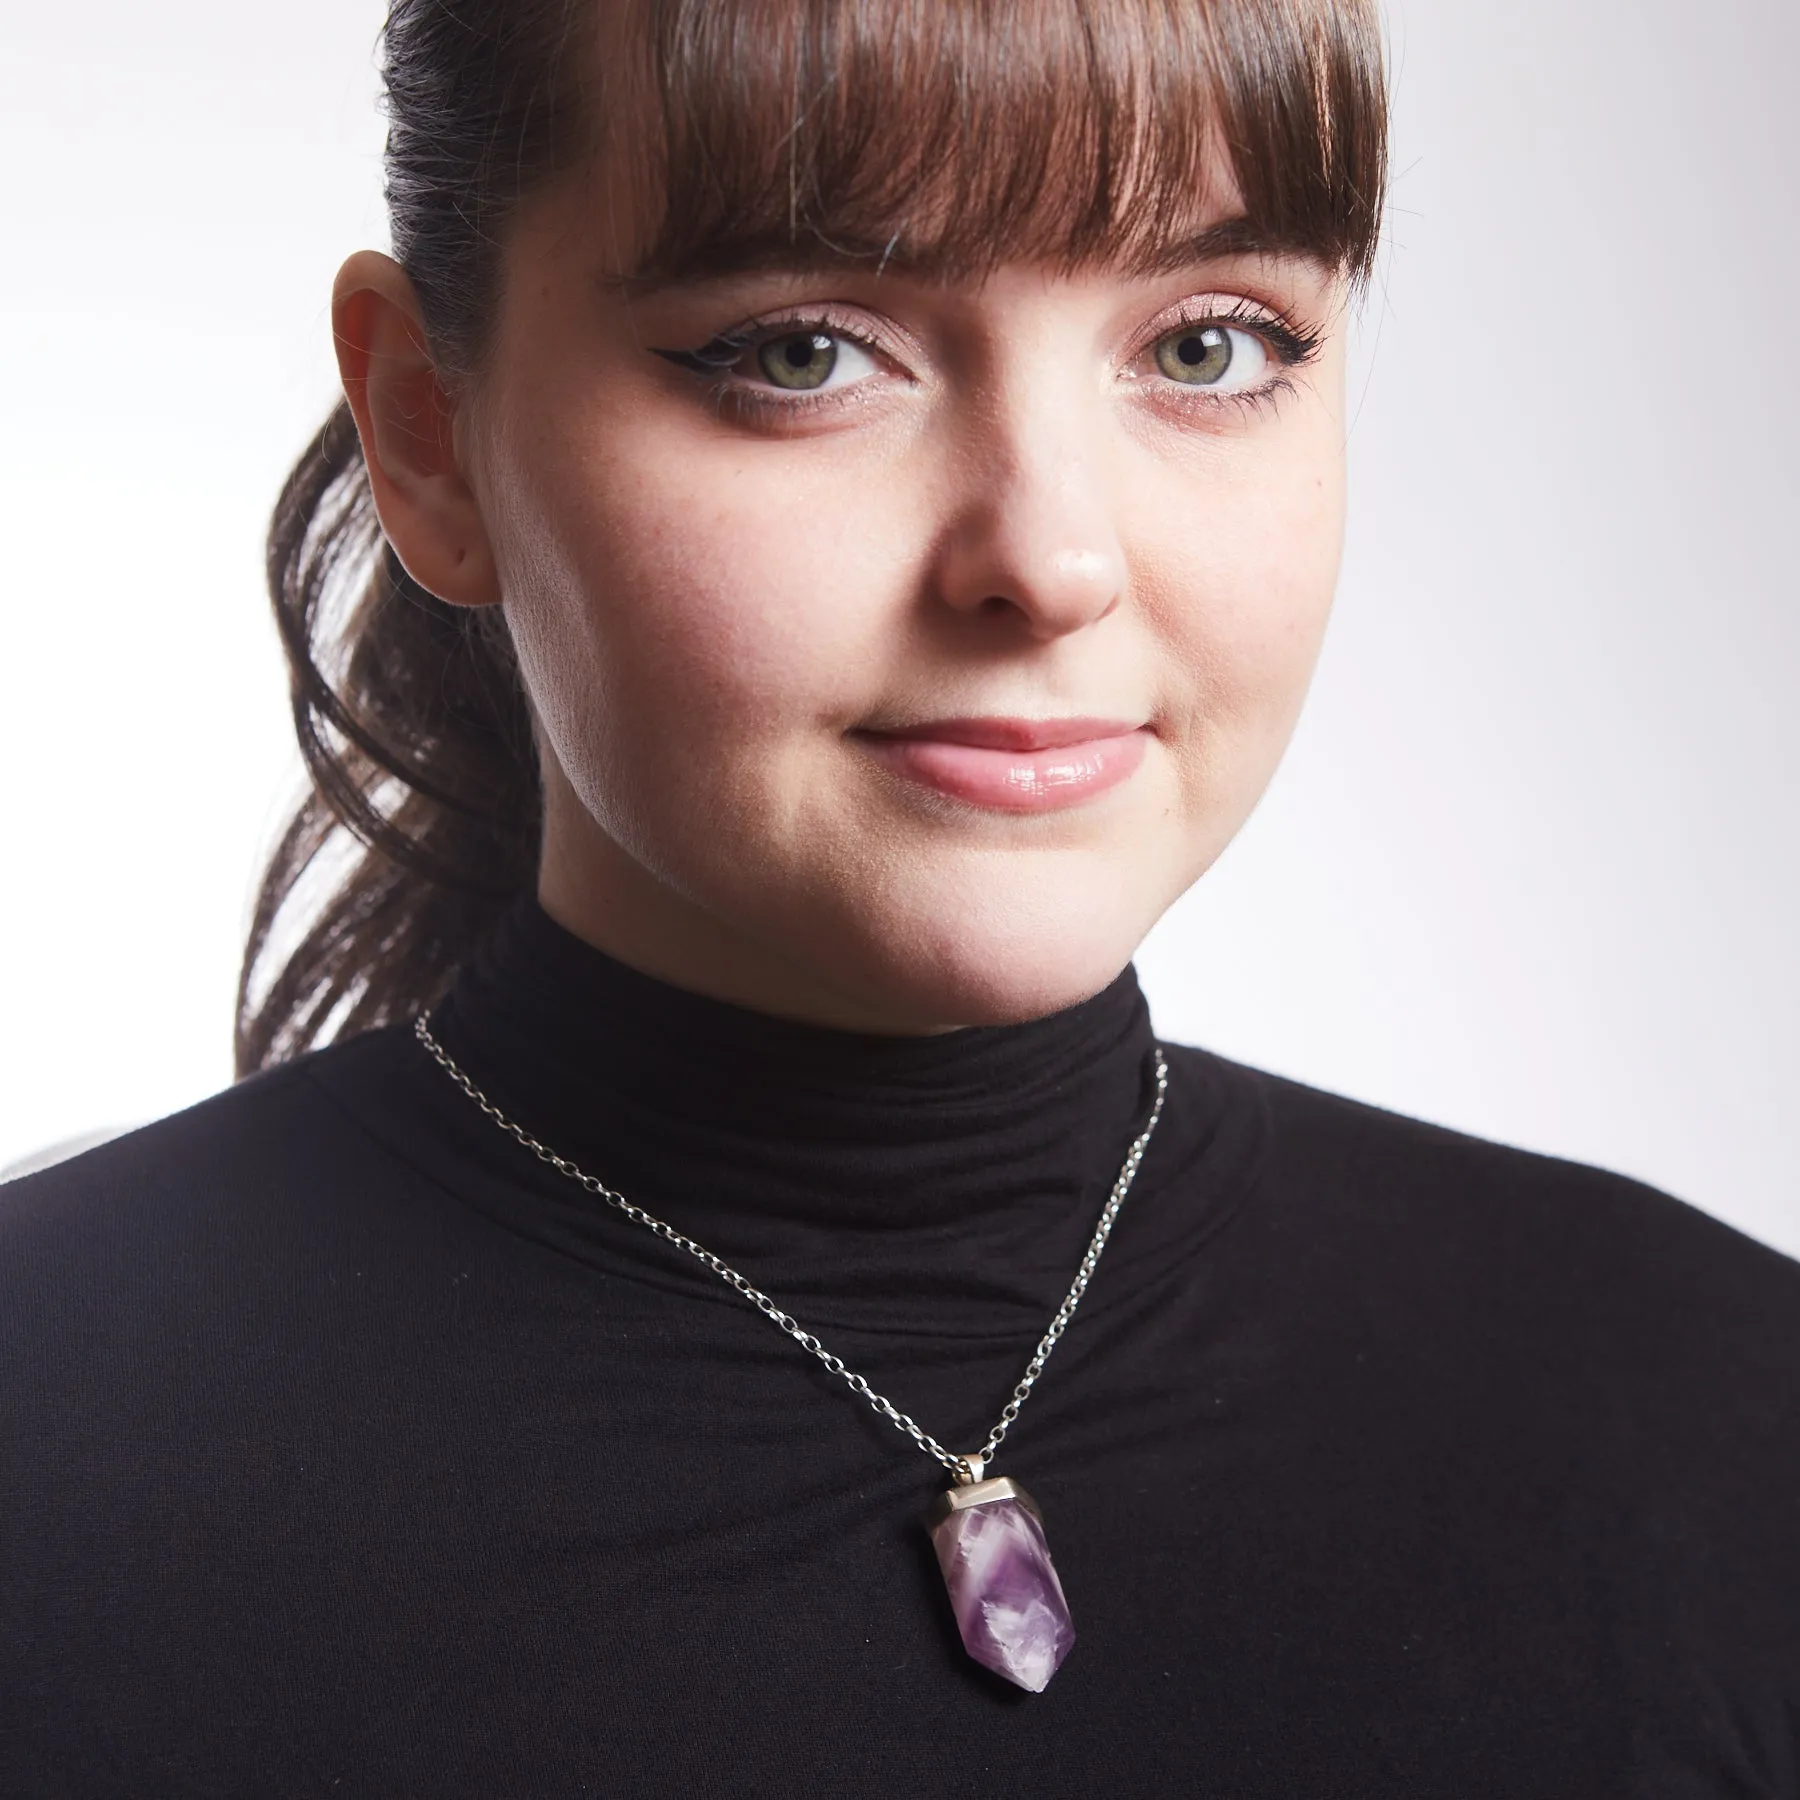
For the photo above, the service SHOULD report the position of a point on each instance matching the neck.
(908, 1184)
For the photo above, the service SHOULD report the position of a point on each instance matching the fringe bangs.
(953, 135)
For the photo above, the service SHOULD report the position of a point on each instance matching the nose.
(1034, 539)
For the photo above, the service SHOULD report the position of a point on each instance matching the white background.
(1531, 866)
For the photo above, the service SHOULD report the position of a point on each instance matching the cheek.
(1236, 584)
(1242, 586)
(681, 614)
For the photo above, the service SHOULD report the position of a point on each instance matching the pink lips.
(1014, 765)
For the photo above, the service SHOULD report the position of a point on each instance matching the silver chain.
(959, 1466)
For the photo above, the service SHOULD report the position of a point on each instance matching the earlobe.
(405, 417)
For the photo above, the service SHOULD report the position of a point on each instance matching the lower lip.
(1018, 781)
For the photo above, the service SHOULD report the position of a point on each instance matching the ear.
(404, 416)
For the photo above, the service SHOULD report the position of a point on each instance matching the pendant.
(1009, 1605)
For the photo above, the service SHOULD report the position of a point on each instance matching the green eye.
(801, 360)
(1200, 355)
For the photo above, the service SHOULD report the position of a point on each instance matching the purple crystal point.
(1008, 1603)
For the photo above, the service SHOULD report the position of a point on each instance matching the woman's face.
(902, 648)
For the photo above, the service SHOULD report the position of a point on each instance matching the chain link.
(957, 1465)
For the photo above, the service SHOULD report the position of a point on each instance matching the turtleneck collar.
(943, 1182)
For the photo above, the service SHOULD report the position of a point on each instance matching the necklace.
(987, 1531)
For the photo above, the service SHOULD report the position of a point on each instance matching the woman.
(833, 517)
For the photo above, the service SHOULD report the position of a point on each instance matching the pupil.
(800, 352)
(1193, 350)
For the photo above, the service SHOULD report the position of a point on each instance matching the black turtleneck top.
(346, 1449)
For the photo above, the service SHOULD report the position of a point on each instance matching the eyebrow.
(1236, 237)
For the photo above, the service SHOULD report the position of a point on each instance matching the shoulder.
(1559, 1374)
(256, 1163)
(223, 1277)
(262, 1120)
(1567, 1263)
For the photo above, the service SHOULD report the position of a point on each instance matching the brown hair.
(947, 134)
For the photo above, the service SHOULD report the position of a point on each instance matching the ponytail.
(424, 814)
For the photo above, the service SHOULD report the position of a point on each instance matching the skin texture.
(1003, 508)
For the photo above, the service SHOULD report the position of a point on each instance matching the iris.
(802, 359)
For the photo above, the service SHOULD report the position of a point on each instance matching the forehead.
(946, 138)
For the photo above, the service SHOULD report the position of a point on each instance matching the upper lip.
(1009, 734)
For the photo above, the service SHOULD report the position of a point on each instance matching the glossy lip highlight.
(1010, 764)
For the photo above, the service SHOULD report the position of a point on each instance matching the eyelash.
(1290, 343)
(717, 356)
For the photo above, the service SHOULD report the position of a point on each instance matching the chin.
(939, 960)
(1014, 997)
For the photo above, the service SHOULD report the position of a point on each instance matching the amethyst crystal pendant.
(1008, 1603)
